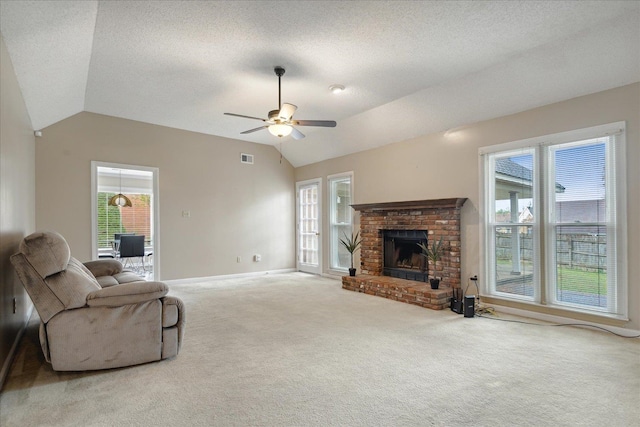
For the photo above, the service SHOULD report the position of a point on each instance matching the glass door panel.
(308, 227)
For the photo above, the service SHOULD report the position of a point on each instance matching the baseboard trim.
(227, 276)
(9, 360)
(565, 320)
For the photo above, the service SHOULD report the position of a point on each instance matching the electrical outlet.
(257, 258)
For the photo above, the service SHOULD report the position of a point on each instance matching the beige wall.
(236, 209)
(446, 165)
(17, 202)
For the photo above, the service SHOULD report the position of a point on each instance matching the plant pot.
(435, 283)
(352, 272)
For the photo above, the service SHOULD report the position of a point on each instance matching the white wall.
(446, 165)
(236, 209)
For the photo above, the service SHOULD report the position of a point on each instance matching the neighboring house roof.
(580, 216)
(525, 215)
(512, 169)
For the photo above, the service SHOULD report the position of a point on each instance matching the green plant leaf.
(433, 251)
(351, 243)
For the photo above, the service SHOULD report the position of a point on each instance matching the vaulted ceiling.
(409, 68)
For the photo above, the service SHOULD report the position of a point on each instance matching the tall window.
(554, 220)
(340, 218)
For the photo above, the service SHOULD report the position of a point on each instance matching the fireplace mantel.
(454, 203)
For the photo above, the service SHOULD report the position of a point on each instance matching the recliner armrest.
(104, 267)
(127, 293)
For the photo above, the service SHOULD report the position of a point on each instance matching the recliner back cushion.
(72, 285)
(47, 252)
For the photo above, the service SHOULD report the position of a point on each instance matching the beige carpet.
(297, 350)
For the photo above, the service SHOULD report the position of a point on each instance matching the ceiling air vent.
(246, 158)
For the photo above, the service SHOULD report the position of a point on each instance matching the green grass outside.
(571, 279)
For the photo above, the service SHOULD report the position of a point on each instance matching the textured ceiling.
(410, 68)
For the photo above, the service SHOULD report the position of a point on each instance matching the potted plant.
(351, 243)
(433, 253)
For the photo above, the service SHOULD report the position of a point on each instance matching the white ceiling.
(410, 68)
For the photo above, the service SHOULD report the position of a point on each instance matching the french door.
(308, 224)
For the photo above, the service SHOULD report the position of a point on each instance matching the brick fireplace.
(430, 219)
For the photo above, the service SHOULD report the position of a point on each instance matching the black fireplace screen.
(402, 257)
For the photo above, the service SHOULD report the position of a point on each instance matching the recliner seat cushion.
(128, 293)
(119, 279)
(127, 277)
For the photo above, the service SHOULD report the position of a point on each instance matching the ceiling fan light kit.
(280, 130)
(280, 122)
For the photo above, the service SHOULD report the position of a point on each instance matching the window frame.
(334, 241)
(544, 283)
(491, 224)
(155, 209)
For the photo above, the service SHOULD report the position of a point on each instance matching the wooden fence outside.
(586, 252)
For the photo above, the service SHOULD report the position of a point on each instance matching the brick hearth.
(417, 293)
(439, 218)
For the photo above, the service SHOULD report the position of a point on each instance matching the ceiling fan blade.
(286, 112)
(253, 130)
(246, 117)
(322, 123)
(296, 134)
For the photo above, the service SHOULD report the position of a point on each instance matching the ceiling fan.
(280, 122)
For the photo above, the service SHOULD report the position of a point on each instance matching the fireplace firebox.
(402, 255)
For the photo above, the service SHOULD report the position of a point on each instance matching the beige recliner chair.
(95, 315)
